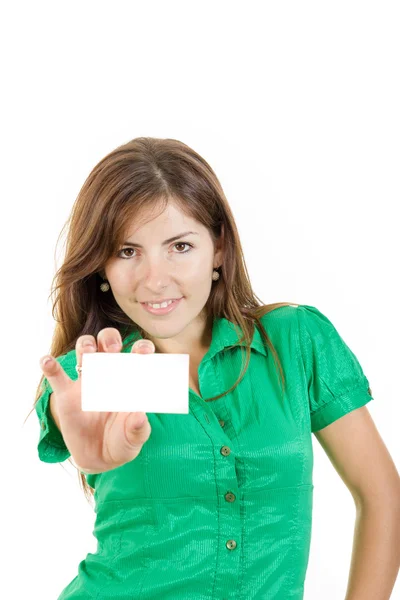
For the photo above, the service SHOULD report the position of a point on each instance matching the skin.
(359, 455)
(156, 272)
(101, 441)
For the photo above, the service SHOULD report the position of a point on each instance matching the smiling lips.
(163, 308)
(158, 301)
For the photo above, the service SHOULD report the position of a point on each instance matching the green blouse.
(218, 504)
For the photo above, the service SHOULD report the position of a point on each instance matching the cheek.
(195, 278)
(198, 268)
(121, 281)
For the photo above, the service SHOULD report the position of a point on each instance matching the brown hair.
(141, 173)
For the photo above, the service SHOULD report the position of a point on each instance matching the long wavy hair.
(141, 173)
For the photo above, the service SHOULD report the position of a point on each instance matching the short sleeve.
(51, 446)
(335, 379)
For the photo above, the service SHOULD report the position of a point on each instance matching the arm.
(363, 462)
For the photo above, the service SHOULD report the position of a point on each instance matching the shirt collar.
(223, 336)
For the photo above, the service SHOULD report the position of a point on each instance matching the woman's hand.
(97, 441)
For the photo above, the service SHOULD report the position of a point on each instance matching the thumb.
(137, 428)
(137, 420)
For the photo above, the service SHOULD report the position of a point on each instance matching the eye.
(124, 250)
(184, 244)
(133, 249)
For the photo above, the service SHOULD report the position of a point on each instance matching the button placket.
(230, 525)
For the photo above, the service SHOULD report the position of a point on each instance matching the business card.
(130, 382)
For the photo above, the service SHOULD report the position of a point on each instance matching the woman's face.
(150, 268)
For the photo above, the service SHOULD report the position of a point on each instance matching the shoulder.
(299, 321)
(280, 317)
(294, 313)
(280, 323)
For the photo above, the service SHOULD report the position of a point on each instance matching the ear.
(219, 249)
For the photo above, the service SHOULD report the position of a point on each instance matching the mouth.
(152, 302)
(162, 308)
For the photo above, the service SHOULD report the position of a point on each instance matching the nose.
(156, 273)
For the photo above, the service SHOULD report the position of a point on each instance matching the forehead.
(160, 219)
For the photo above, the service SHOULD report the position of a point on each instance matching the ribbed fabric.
(218, 504)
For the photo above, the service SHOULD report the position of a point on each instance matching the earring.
(215, 275)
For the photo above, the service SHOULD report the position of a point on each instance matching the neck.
(194, 340)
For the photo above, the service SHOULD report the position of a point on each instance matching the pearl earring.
(215, 275)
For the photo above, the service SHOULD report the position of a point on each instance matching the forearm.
(375, 557)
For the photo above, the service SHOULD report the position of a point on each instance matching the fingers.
(85, 343)
(137, 429)
(109, 340)
(56, 376)
(143, 347)
(106, 338)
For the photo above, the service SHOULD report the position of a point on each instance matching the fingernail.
(45, 361)
(144, 344)
(141, 417)
(113, 344)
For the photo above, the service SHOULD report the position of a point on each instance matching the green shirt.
(218, 504)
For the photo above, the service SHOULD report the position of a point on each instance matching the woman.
(216, 503)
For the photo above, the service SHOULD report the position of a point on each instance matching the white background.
(296, 107)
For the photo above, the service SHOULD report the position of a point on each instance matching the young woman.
(215, 504)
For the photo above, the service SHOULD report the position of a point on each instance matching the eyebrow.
(165, 242)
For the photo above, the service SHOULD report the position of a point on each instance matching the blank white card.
(130, 382)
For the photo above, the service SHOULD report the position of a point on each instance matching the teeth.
(162, 305)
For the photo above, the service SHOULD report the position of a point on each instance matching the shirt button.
(231, 544)
(221, 422)
(225, 450)
(229, 497)
(43, 424)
